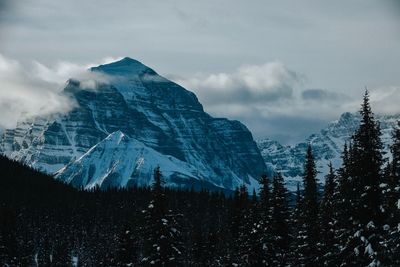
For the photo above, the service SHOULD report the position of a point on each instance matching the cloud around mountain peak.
(270, 98)
(34, 89)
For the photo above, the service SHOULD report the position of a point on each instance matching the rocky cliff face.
(153, 114)
(327, 147)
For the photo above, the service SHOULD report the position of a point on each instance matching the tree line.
(355, 221)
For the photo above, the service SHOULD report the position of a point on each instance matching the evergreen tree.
(126, 252)
(344, 192)
(392, 175)
(248, 250)
(328, 220)
(364, 241)
(265, 239)
(395, 149)
(368, 159)
(162, 244)
(308, 236)
(394, 180)
(264, 196)
(342, 206)
(279, 221)
(295, 229)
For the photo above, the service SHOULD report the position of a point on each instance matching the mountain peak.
(124, 66)
(116, 137)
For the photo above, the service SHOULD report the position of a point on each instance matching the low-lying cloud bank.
(34, 89)
(274, 101)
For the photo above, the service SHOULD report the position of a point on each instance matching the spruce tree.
(364, 241)
(344, 191)
(126, 251)
(328, 220)
(392, 175)
(162, 244)
(394, 179)
(395, 176)
(264, 195)
(265, 240)
(279, 221)
(296, 229)
(249, 250)
(343, 197)
(368, 160)
(308, 236)
(395, 149)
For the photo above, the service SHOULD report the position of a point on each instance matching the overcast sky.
(284, 68)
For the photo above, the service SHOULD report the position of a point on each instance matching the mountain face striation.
(327, 146)
(123, 127)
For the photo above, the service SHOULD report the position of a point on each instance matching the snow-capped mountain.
(128, 124)
(327, 146)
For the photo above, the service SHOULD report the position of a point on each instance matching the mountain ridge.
(327, 147)
(148, 108)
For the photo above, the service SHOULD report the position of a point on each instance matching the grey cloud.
(263, 83)
(386, 100)
(186, 37)
(323, 95)
(340, 45)
(287, 129)
(24, 94)
(35, 89)
(269, 98)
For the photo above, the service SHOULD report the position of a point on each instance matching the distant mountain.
(327, 146)
(125, 126)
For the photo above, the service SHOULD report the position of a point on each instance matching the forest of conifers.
(354, 221)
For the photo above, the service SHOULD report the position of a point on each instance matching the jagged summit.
(135, 117)
(124, 66)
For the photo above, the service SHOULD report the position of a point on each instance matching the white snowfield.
(118, 160)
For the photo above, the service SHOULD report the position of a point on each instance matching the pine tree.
(295, 229)
(394, 179)
(308, 236)
(279, 221)
(392, 175)
(344, 192)
(328, 220)
(363, 245)
(265, 240)
(343, 196)
(126, 252)
(264, 195)
(367, 152)
(162, 244)
(249, 249)
(395, 149)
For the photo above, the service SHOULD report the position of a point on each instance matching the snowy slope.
(327, 147)
(148, 108)
(120, 161)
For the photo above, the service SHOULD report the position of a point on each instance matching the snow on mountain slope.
(327, 147)
(120, 161)
(148, 108)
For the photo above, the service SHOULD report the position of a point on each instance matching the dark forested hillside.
(46, 223)
(355, 221)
